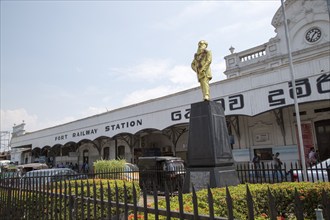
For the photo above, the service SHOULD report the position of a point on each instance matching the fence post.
(319, 213)
(72, 211)
(8, 205)
(249, 202)
(229, 202)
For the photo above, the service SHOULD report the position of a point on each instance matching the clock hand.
(313, 35)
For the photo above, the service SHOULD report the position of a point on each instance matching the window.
(264, 153)
(121, 152)
(106, 153)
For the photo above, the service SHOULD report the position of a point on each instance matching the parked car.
(24, 168)
(131, 172)
(319, 172)
(37, 178)
(162, 171)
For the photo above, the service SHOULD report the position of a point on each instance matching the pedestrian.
(84, 167)
(312, 157)
(76, 167)
(256, 163)
(277, 164)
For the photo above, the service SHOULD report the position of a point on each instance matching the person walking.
(86, 168)
(312, 157)
(83, 167)
(256, 164)
(277, 164)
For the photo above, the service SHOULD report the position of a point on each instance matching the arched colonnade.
(170, 141)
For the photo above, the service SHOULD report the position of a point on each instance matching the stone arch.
(103, 144)
(44, 155)
(125, 144)
(53, 153)
(35, 153)
(93, 152)
(152, 143)
(174, 133)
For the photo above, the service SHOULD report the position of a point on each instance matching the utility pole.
(296, 106)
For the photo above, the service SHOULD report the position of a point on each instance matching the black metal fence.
(93, 196)
(97, 197)
(266, 173)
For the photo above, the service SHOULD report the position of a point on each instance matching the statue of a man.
(201, 65)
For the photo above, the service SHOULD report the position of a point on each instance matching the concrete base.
(202, 177)
(208, 142)
(209, 157)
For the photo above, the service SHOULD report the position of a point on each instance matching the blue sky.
(66, 60)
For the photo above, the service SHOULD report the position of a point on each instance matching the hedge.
(310, 195)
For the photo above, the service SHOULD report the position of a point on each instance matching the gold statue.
(201, 65)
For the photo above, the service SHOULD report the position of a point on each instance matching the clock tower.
(308, 23)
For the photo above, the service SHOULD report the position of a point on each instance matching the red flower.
(131, 217)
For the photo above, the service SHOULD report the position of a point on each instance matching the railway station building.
(256, 95)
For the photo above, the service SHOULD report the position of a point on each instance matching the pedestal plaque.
(209, 159)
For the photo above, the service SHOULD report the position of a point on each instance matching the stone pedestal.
(209, 159)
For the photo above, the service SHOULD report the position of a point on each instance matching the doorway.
(322, 130)
(85, 156)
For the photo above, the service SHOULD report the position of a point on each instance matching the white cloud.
(16, 116)
(182, 75)
(147, 94)
(217, 71)
(33, 123)
(149, 69)
(158, 70)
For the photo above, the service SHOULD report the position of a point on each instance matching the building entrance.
(322, 129)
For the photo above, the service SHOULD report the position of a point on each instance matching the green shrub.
(309, 193)
(108, 165)
(109, 169)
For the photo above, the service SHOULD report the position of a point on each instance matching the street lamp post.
(301, 143)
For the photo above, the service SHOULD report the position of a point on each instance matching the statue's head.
(202, 42)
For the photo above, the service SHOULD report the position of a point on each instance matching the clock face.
(313, 35)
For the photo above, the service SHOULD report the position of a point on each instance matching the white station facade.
(257, 98)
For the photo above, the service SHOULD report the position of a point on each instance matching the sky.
(66, 60)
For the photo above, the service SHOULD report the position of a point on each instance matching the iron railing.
(266, 173)
(82, 200)
(70, 197)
